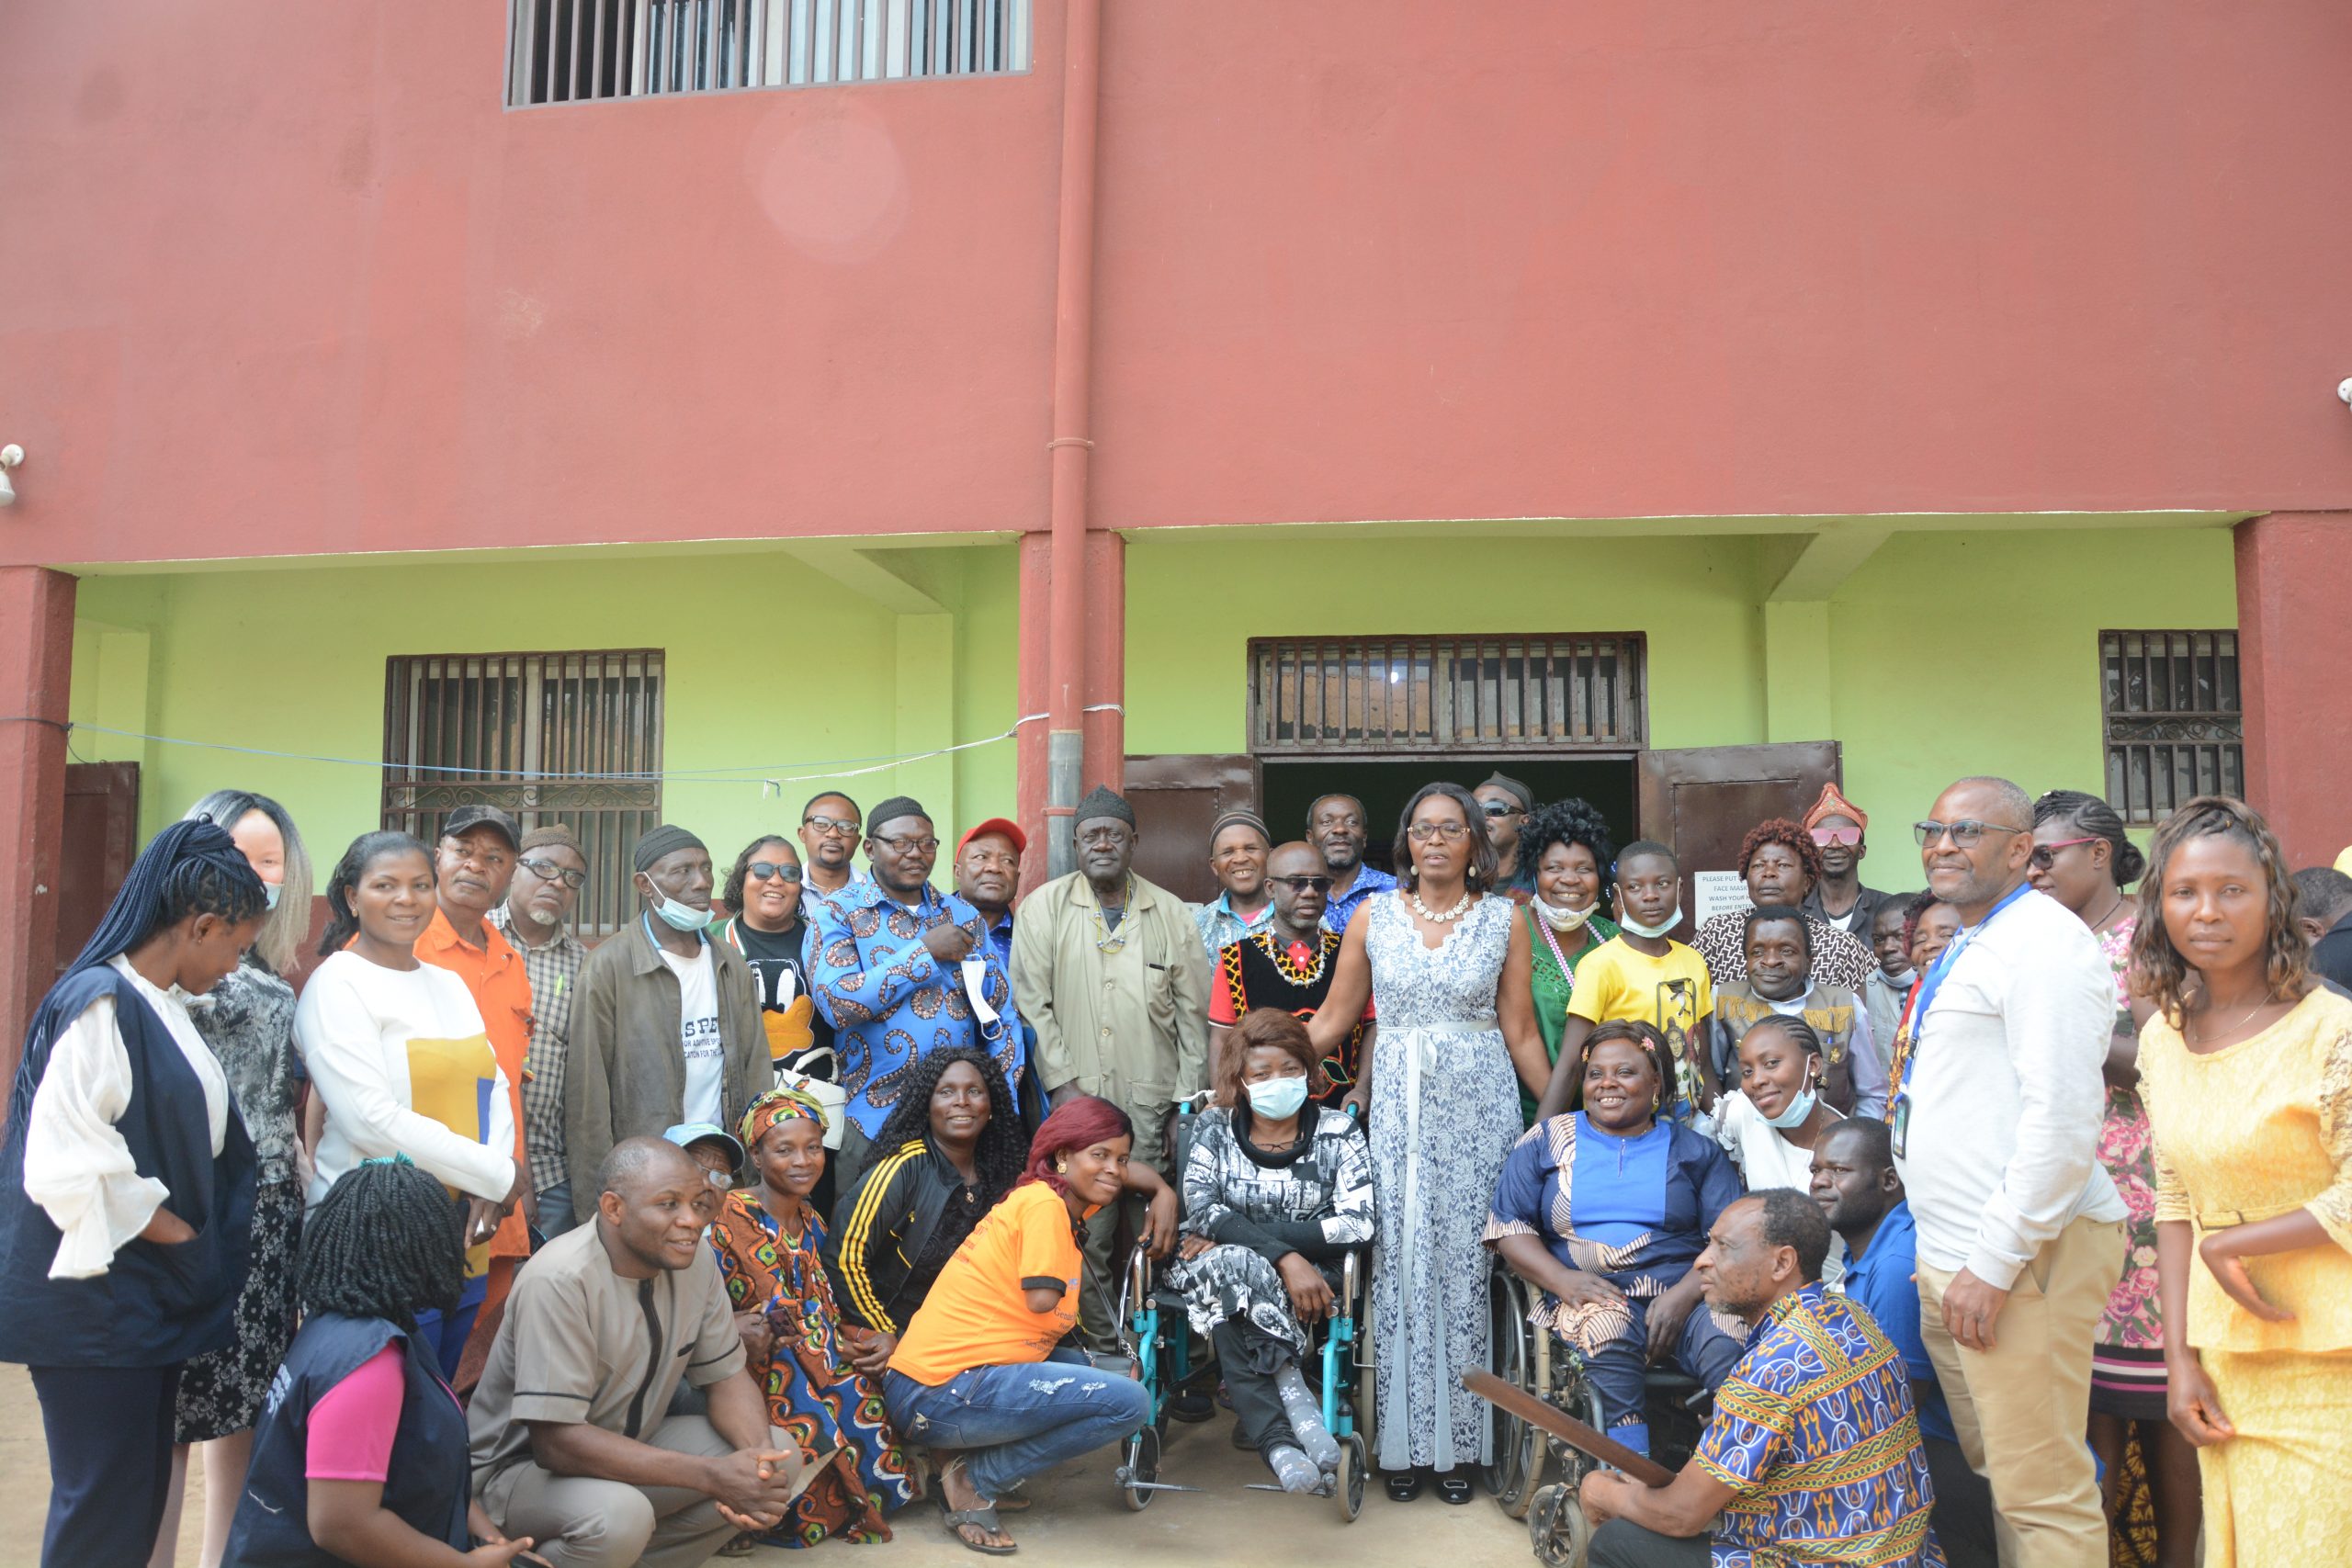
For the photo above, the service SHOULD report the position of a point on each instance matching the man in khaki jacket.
(1111, 972)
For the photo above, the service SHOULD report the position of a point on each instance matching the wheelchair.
(1539, 1362)
(1152, 1329)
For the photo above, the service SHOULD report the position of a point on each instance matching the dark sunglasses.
(1503, 808)
(547, 871)
(2044, 856)
(1304, 884)
(763, 870)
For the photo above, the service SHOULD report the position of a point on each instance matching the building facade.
(671, 407)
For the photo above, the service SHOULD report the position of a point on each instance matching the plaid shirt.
(552, 969)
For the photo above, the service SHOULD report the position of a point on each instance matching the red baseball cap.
(995, 825)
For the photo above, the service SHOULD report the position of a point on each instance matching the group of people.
(1997, 1218)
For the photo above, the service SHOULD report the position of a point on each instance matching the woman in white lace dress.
(1447, 969)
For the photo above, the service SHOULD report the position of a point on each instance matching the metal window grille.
(2175, 727)
(570, 737)
(1409, 695)
(560, 51)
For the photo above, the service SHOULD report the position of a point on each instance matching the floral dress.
(1444, 1116)
(832, 1412)
(2126, 1356)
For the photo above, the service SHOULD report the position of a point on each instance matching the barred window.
(570, 738)
(2175, 727)
(1537, 692)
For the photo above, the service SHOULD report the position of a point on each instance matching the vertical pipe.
(1070, 447)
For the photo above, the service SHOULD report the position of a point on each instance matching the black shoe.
(1404, 1485)
(1191, 1407)
(1453, 1486)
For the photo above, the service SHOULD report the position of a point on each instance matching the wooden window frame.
(2159, 750)
(1588, 695)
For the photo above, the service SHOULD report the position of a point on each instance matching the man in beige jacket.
(1111, 971)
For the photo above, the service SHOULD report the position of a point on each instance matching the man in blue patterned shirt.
(902, 970)
(1813, 1454)
(1335, 826)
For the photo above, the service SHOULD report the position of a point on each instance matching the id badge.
(1899, 1125)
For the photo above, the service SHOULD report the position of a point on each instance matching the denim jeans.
(1014, 1421)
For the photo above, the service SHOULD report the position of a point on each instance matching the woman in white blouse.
(1771, 1123)
(127, 1191)
(402, 1062)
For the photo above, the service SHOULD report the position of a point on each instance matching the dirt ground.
(1080, 1518)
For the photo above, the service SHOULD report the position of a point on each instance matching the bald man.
(571, 1441)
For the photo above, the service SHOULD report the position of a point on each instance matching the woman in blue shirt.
(1603, 1211)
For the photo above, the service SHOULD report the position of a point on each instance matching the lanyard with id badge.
(1898, 1115)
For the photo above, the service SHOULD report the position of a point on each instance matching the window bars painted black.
(1326, 696)
(2175, 726)
(570, 737)
(561, 51)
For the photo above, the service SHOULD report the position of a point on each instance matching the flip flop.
(959, 1519)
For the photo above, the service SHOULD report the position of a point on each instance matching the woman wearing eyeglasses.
(764, 888)
(1781, 864)
(2246, 1072)
(1447, 962)
(1567, 845)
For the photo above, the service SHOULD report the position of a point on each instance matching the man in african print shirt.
(1287, 963)
(1813, 1454)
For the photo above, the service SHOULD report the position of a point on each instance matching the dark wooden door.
(1703, 801)
(1175, 799)
(101, 841)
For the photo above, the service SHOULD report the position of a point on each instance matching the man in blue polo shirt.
(1855, 1182)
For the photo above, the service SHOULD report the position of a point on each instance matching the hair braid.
(383, 1243)
(2096, 817)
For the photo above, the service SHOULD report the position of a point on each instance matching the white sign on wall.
(1718, 891)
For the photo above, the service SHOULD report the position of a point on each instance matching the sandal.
(961, 1519)
(1404, 1485)
(1454, 1488)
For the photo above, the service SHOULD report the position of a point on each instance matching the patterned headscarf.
(776, 1105)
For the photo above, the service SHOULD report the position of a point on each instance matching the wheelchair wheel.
(1519, 1446)
(1143, 1464)
(1349, 1483)
(1557, 1528)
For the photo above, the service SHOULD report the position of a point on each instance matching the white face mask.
(269, 892)
(671, 913)
(1634, 925)
(1278, 1098)
(1563, 920)
(1901, 978)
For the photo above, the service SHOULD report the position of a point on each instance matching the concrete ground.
(1080, 1518)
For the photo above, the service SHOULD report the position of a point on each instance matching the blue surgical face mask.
(1278, 1098)
(269, 892)
(1794, 1114)
(682, 916)
(1653, 933)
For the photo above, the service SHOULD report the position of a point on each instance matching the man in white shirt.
(1997, 1125)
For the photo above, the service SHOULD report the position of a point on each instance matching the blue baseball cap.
(686, 1135)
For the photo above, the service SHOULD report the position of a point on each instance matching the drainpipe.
(1070, 449)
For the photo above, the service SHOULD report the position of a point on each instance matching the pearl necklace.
(1461, 907)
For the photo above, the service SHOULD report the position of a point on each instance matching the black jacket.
(881, 1227)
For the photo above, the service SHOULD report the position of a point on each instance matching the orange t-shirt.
(502, 991)
(975, 1314)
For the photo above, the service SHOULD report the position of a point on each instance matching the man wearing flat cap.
(1507, 801)
(665, 1022)
(1112, 971)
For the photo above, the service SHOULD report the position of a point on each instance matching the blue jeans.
(1701, 1351)
(555, 1209)
(448, 1334)
(1014, 1422)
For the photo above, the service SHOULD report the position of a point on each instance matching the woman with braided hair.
(2246, 1073)
(770, 1241)
(360, 1456)
(127, 1191)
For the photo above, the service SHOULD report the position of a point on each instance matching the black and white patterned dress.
(248, 1019)
(1232, 1191)
(1444, 1116)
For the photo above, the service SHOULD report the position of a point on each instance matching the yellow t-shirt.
(1671, 993)
(975, 1314)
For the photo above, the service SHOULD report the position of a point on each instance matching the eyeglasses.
(910, 846)
(1502, 808)
(764, 869)
(1849, 837)
(1430, 832)
(1963, 833)
(720, 1180)
(547, 871)
(1304, 884)
(847, 826)
(2044, 856)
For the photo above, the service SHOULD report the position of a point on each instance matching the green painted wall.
(763, 671)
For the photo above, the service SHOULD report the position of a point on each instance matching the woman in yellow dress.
(2246, 1072)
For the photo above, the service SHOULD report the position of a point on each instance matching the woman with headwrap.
(127, 1191)
(963, 1378)
(770, 1242)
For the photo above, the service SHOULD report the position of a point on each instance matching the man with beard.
(1287, 965)
(535, 918)
(1812, 1452)
(1335, 827)
(900, 969)
(1111, 970)
(829, 834)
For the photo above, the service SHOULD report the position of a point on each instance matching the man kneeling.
(571, 1440)
(1813, 1453)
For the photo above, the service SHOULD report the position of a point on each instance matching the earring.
(1061, 1167)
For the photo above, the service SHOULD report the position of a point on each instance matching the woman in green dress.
(1567, 844)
